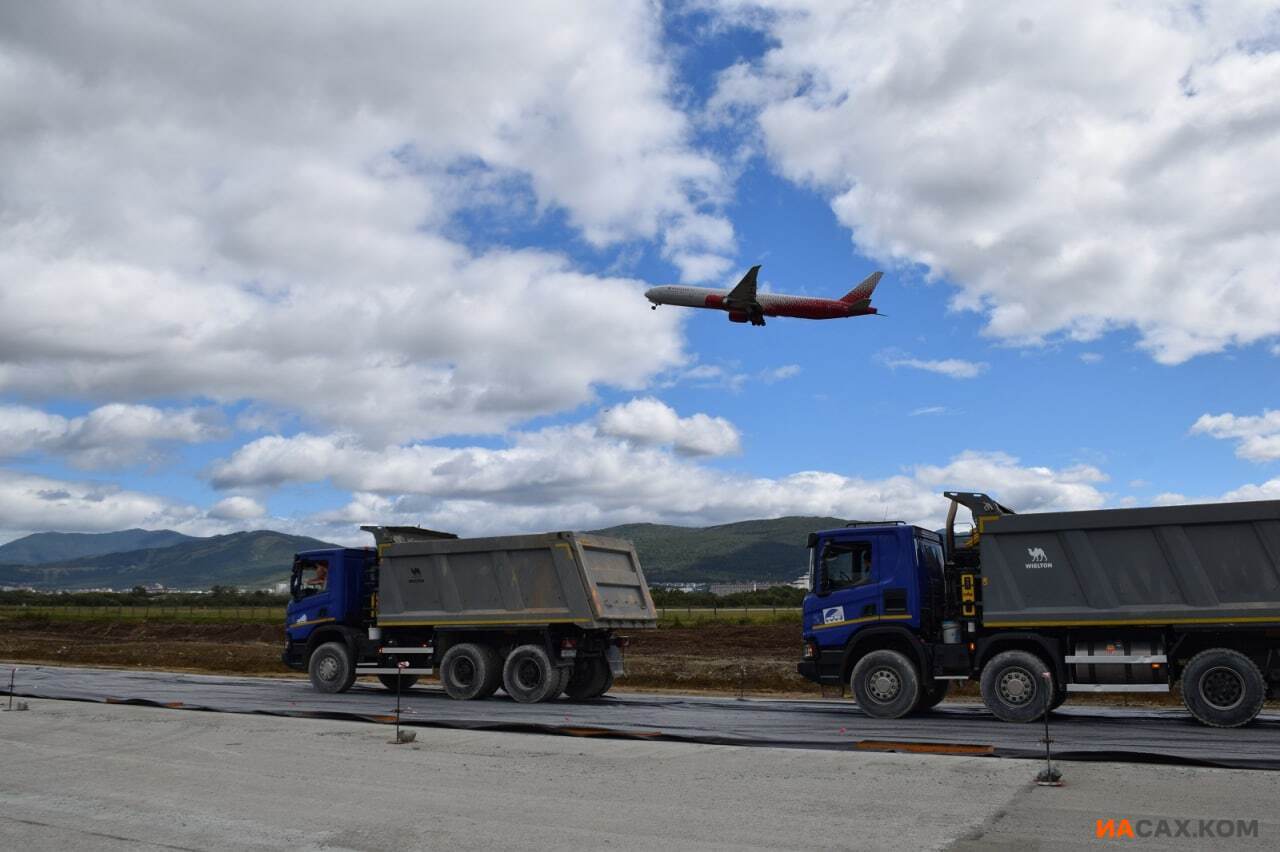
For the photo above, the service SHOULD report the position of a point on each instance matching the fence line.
(143, 613)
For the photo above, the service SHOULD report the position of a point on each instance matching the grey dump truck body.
(1215, 564)
(553, 578)
(535, 615)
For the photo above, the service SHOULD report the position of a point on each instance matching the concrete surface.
(79, 775)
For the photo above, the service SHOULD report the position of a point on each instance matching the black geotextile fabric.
(1084, 733)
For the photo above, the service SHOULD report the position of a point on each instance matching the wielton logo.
(1039, 559)
(415, 574)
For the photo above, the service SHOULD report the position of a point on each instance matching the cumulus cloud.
(1257, 437)
(237, 508)
(954, 368)
(1070, 173)
(109, 436)
(33, 503)
(651, 421)
(244, 203)
(579, 476)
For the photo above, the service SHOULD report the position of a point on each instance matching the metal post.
(407, 736)
(12, 674)
(1049, 777)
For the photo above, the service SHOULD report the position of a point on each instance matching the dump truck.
(537, 615)
(1036, 607)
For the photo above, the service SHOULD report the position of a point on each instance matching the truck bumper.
(825, 669)
(292, 656)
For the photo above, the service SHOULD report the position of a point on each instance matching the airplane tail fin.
(862, 293)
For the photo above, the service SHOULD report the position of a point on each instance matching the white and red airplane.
(744, 305)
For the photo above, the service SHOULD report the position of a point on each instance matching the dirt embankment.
(716, 657)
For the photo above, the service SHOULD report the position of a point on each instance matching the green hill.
(59, 547)
(239, 559)
(748, 550)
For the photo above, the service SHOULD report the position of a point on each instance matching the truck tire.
(406, 681)
(466, 670)
(1059, 698)
(591, 679)
(932, 693)
(331, 669)
(885, 684)
(529, 676)
(1223, 688)
(1013, 686)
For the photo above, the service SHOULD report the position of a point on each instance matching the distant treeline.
(218, 596)
(774, 596)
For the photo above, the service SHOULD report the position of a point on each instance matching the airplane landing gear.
(654, 306)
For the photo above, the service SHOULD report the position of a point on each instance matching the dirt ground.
(757, 659)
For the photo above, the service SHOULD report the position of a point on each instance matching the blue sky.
(267, 287)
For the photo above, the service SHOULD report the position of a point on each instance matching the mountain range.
(748, 550)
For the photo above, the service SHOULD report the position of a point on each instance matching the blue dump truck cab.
(1035, 607)
(326, 587)
(870, 585)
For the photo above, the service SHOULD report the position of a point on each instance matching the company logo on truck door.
(833, 615)
(1039, 559)
(415, 574)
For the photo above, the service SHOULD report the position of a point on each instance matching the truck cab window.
(846, 564)
(310, 578)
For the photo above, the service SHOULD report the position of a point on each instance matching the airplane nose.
(651, 294)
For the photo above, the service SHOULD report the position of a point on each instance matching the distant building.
(801, 582)
(723, 589)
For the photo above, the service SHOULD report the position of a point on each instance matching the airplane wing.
(745, 292)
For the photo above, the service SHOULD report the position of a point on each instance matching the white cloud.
(33, 503)
(235, 202)
(651, 421)
(930, 410)
(1091, 357)
(110, 436)
(580, 477)
(237, 508)
(1071, 170)
(954, 368)
(779, 374)
(1257, 437)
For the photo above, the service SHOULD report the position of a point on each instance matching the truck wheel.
(492, 672)
(591, 679)
(330, 668)
(467, 670)
(1059, 698)
(1013, 686)
(528, 676)
(931, 695)
(885, 684)
(406, 681)
(1223, 688)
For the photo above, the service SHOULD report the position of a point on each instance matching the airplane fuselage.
(770, 304)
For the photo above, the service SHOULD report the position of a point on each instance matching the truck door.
(847, 586)
(312, 594)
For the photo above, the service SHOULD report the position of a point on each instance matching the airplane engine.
(739, 316)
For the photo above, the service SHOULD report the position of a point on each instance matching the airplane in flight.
(744, 305)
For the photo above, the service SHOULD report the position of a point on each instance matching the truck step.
(393, 649)
(1117, 687)
(375, 670)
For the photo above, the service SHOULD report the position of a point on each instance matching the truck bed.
(564, 577)
(1189, 565)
